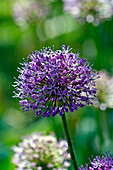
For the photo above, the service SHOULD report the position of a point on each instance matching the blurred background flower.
(104, 95)
(27, 12)
(91, 11)
(41, 152)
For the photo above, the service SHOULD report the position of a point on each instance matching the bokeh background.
(91, 128)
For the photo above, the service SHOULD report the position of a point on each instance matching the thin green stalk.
(99, 119)
(71, 150)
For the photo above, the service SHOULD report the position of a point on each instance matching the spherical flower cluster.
(52, 82)
(92, 11)
(41, 152)
(30, 11)
(103, 162)
(104, 87)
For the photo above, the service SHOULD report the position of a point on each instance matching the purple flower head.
(103, 162)
(52, 82)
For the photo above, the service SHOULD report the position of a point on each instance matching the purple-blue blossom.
(52, 82)
(103, 162)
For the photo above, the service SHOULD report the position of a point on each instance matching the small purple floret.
(103, 162)
(52, 82)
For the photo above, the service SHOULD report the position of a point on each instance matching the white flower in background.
(30, 11)
(92, 11)
(104, 87)
(41, 152)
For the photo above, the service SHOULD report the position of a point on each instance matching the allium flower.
(41, 152)
(104, 87)
(92, 11)
(50, 82)
(30, 11)
(103, 162)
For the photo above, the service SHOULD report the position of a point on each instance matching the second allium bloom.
(103, 162)
(52, 82)
(41, 152)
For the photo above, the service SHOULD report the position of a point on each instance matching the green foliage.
(95, 44)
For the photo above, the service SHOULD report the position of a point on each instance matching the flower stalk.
(71, 150)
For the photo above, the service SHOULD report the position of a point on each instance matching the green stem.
(71, 150)
(99, 119)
